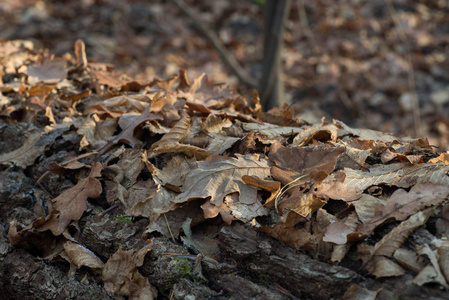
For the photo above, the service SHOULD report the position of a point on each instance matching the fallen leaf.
(121, 276)
(218, 176)
(402, 204)
(71, 204)
(50, 71)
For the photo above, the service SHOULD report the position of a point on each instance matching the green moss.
(123, 218)
(182, 269)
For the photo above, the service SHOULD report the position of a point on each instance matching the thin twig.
(285, 188)
(218, 45)
(410, 73)
(305, 24)
(109, 209)
(169, 229)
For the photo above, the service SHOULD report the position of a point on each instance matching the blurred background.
(382, 65)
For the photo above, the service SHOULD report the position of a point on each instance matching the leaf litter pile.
(178, 187)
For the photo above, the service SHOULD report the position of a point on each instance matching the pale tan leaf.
(402, 204)
(384, 267)
(401, 174)
(355, 291)
(364, 134)
(244, 212)
(427, 274)
(220, 143)
(171, 141)
(443, 257)
(337, 233)
(218, 176)
(81, 256)
(271, 129)
(409, 259)
(35, 146)
(50, 71)
(215, 124)
(444, 157)
(394, 239)
(155, 205)
(366, 207)
(322, 132)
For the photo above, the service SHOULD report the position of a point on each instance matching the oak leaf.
(219, 176)
(72, 203)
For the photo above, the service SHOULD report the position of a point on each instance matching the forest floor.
(98, 158)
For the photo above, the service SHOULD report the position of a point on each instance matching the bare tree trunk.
(271, 88)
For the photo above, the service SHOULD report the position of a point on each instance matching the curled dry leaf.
(81, 256)
(71, 204)
(121, 277)
(402, 204)
(432, 272)
(171, 141)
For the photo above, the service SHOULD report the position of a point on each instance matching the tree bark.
(271, 88)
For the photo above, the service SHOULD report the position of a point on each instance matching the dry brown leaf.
(50, 71)
(444, 157)
(294, 237)
(121, 277)
(323, 133)
(219, 176)
(306, 159)
(400, 174)
(106, 78)
(355, 291)
(366, 207)
(71, 204)
(215, 124)
(374, 257)
(271, 130)
(171, 141)
(81, 256)
(337, 233)
(432, 272)
(127, 133)
(443, 257)
(211, 211)
(35, 146)
(409, 259)
(402, 204)
(394, 239)
(271, 186)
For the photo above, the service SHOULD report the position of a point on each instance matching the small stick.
(108, 210)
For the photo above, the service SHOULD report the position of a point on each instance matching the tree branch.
(228, 58)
